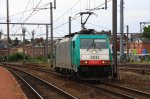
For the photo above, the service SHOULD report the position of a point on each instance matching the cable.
(32, 11)
(61, 30)
(60, 25)
(41, 35)
(65, 23)
(89, 4)
(75, 18)
(22, 12)
(93, 24)
(57, 33)
(98, 6)
(30, 14)
(16, 14)
(94, 3)
(67, 11)
(86, 4)
(24, 22)
(29, 33)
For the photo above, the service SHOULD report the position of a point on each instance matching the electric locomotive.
(85, 54)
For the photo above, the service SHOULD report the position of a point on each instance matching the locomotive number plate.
(94, 57)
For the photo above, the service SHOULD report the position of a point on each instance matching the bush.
(15, 57)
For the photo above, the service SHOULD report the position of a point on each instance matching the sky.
(135, 11)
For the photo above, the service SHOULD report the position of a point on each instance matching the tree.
(27, 41)
(146, 32)
(16, 42)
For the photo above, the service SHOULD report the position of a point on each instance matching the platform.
(9, 88)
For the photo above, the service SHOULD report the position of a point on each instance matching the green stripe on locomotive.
(75, 47)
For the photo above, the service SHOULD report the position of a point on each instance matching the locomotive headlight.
(103, 62)
(85, 62)
(94, 52)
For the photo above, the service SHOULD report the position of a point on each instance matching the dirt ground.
(135, 80)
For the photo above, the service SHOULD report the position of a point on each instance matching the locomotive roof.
(86, 31)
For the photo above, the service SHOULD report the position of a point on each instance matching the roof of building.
(138, 36)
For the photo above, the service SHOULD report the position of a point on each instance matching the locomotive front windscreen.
(93, 43)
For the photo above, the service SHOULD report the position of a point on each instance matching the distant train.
(84, 54)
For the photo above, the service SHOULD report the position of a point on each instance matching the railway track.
(138, 70)
(41, 88)
(119, 91)
(46, 70)
(131, 93)
(113, 89)
(144, 66)
(109, 91)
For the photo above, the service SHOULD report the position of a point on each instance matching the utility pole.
(140, 27)
(33, 41)
(121, 31)
(114, 28)
(23, 31)
(69, 25)
(51, 21)
(8, 39)
(127, 43)
(46, 52)
(105, 4)
(0, 34)
(7, 4)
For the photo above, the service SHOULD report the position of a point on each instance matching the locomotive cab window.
(93, 43)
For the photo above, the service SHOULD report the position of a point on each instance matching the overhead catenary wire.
(73, 6)
(65, 23)
(33, 11)
(67, 11)
(89, 4)
(74, 19)
(97, 7)
(94, 3)
(58, 32)
(23, 12)
(31, 14)
(93, 24)
(21, 25)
